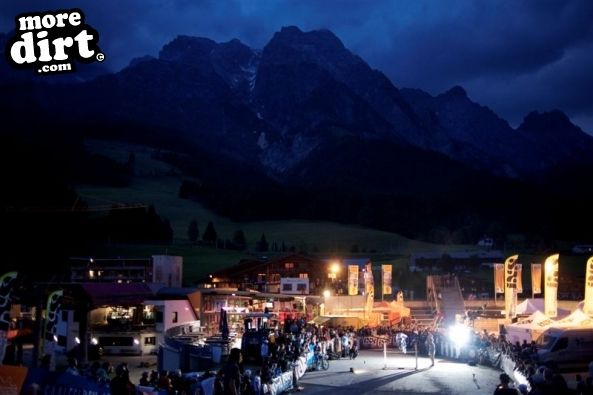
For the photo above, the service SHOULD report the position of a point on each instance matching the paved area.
(371, 374)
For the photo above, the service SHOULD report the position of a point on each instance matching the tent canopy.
(529, 328)
(576, 318)
(335, 321)
(530, 306)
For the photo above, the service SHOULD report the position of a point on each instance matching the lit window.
(289, 265)
(303, 275)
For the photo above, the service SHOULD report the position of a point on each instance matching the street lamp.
(334, 268)
(326, 293)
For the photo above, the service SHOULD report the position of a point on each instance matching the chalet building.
(162, 269)
(290, 274)
(454, 261)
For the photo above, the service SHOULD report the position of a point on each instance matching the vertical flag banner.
(54, 303)
(510, 286)
(499, 278)
(386, 274)
(352, 279)
(7, 282)
(536, 278)
(369, 281)
(588, 307)
(519, 278)
(551, 286)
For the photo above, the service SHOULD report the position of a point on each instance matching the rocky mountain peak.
(549, 121)
(456, 91)
(291, 44)
(187, 48)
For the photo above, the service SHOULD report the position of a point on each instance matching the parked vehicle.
(566, 346)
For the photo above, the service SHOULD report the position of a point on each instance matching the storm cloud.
(513, 56)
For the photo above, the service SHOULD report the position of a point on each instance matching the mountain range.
(305, 123)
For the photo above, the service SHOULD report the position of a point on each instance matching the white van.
(566, 346)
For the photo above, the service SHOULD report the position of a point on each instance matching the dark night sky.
(513, 56)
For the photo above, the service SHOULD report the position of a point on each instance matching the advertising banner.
(588, 307)
(519, 278)
(352, 279)
(386, 274)
(551, 286)
(369, 281)
(510, 286)
(536, 278)
(7, 282)
(54, 302)
(499, 278)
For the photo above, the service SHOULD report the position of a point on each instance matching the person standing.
(503, 388)
(401, 339)
(231, 373)
(431, 347)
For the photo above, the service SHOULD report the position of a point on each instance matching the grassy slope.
(157, 183)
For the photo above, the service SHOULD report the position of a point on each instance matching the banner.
(369, 282)
(12, 379)
(519, 278)
(369, 287)
(499, 278)
(386, 274)
(536, 278)
(54, 302)
(7, 282)
(551, 286)
(510, 286)
(352, 279)
(588, 307)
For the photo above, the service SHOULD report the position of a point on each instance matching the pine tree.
(262, 245)
(210, 236)
(193, 232)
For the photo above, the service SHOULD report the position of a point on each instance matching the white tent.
(576, 319)
(530, 306)
(529, 328)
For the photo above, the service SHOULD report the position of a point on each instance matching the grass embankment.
(157, 183)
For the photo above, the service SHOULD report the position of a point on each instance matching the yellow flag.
(386, 272)
(551, 286)
(352, 279)
(536, 278)
(369, 282)
(519, 278)
(510, 286)
(499, 278)
(588, 308)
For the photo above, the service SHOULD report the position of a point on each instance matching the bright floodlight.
(326, 293)
(335, 267)
(77, 340)
(94, 341)
(459, 334)
(136, 341)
